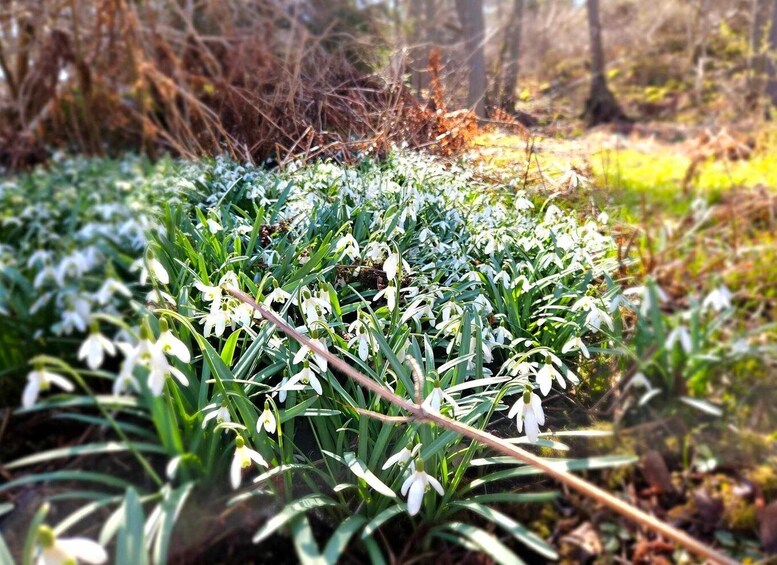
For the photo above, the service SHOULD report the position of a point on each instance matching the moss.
(765, 478)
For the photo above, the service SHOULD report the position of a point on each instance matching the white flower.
(433, 402)
(390, 293)
(171, 345)
(159, 369)
(39, 380)
(576, 343)
(151, 266)
(502, 334)
(241, 460)
(528, 411)
(719, 299)
(267, 420)
(416, 485)
(214, 226)
(305, 376)
(391, 266)
(67, 551)
(108, 289)
(277, 295)
(402, 456)
(215, 320)
(210, 293)
(681, 334)
(362, 337)
(94, 349)
(545, 377)
(218, 412)
(596, 317)
(305, 352)
(348, 246)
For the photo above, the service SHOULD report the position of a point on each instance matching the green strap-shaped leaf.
(131, 541)
(340, 538)
(358, 467)
(291, 511)
(381, 519)
(526, 537)
(484, 541)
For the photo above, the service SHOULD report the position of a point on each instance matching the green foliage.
(386, 261)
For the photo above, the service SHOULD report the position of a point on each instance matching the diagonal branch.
(560, 474)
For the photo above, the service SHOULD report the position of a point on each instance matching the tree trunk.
(471, 17)
(511, 51)
(601, 106)
(771, 85)
(757, 60)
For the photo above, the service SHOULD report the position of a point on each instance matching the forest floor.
(689, 208)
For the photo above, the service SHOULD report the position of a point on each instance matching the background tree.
(601, 106)
(510, 55)
(771, 86)
(473, 24)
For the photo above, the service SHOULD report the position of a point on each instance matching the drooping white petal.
(435, 484)
(236, 472)
(30, 393)
(83, 549)
(415, 496)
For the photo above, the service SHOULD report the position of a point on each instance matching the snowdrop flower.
(718, 299)
(267, 420)
(242, 460)
(213, 226)
(639, 380)
(400, 457)
(210, 293)
(94, 349)
(305, 376)
(150, 267)
(305, 352)
(218, 412)
(545, 377)
(348, 246)
(67, 551)
(107, 290)
(433, 401)
(159, 369)
(576, 343)
(416, 485)
(391, 266)
(362, 336)
(171, 345)
(390, 294)
(277, 295)
(76, 316)
(740, 347)
(215, 322)
(528, 412)
(313, 306)
(682, 335)
(596, 318)
(39, 380)
(502, 335)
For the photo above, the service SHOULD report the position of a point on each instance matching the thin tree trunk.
(601, 106)
(471, 16)
(771, 85)
(511, 52)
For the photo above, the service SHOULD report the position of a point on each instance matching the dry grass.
(243, 78)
